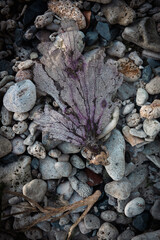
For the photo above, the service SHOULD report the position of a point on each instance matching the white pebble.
(141, 96)
(20, 127)
(37, 150)
(128, 108)
(134, 207)
(151, 127)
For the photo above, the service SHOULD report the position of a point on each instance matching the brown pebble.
(23, 74)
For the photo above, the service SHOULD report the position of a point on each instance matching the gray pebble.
(153, 87)
(29, 140)
(45, 226)
(126, 235)
(64, 220)
(108, 216)
(20, 97)
(155, 210)
(128, 108)
(151, 127)
(77, 162)
(7, 132)
(83, 189)
(137, 133)
(47, 169)
(107, 231)
(118, 189)
(141, 96)
(43, 20)
(63, 168)
(117, 49)
(36, 189)
(68, 148)
(25, 64)
(91, 222)
(63, 158)
(75, 198)
(134, 207)
(148, 236)
(34, 233)
(83, 229)
(18, 146)
(20, 116)
(6, 116)
(55, 153)
(137, 60)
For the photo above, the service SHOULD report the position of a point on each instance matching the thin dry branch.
(50, 212)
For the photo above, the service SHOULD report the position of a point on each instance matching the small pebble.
(128, 108)
(63, 168)
(108, 216)
(77, 162)
(133, 119)
(155, 210)
(20, 116)
(25, 64)
(137, 60)
(126, 235)
(43, 20)
(134, 207)
(45, 226)
(153, 87)
(18, 146)
(147, 74)
(64, 220)
(107, 231)
(148, 235)
(6, 116)
(83, 228)
(29, 140)
(141, 221)
(33, 55)
(34, 233)
(23, 75)
(7, 132)
(137, 133)
(117, 49)
(63, 158)
(65, 189)
(55, 153)
(151, 127)
(47, 169)
(37, 150)
(5, 146)
(83, 189)
(36, 189)
(20, 127)
(141, 96)
(68, 148)
(91, 222)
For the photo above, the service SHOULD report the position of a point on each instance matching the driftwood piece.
(51, 213)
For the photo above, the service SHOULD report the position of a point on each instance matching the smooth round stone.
(20, 127)
(128, 108)
(25, 64)
(91, 221)
(134, 207)
(155, 210)
(20, 97)
(5, 146)
(117, 49)
(18, 146)
(36, 189)
(63, 168)
(126, 235)
(68, 148)
(133, 119)
(48, 170)
(37, 150)
(151, 127)
(55, 153)
(83, 228)
(116, 148)
(20, 116)
(107, 231)
(77, 162)
(141, 96)
(108, 216)
(65, 189)
(118, 189)
(153, 87)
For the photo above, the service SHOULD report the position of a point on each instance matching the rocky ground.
(54, 173)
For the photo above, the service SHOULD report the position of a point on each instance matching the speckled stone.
(63, 168)
(151, 127)
(133, 119)
(37, 150)
(83, 189)
(151, 111)
(107, 231)
(108, 216)
(18, 146)
(47, 169)
(91, 222)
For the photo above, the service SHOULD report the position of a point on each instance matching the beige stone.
(151, 111)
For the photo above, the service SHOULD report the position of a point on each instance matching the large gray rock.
(118, 12)
(116, 147)
(148, 236)
(20, 97)
(144, 34)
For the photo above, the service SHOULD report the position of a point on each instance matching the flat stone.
(137, 133)
(116, 147)
(107, 231)
(5, 146)
(138, 176)
(153, 87)
(148, 235)
(68, 148)
(131, 139)
(20, 97)
(91, 222)
(141, 96)
(36, 189)
(77, 162)
(47, 169)
(118, 189)
(134, 207)
(144, 34)
(118, 12)
(108, 216)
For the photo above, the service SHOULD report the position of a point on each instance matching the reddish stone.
(94, 179)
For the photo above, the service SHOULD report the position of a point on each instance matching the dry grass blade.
(51, 213)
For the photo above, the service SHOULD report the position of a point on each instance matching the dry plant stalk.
(50, 212)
